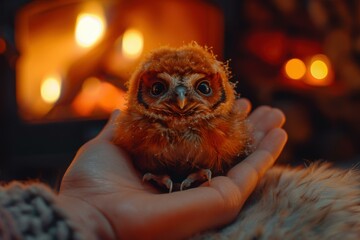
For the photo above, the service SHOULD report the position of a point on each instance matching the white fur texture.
(316, 202)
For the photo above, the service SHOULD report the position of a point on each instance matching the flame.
(50, 89)
(89, 29)
(132, 43)
(295, 69)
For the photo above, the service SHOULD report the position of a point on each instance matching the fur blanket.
(316, 202)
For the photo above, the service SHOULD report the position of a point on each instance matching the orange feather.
(163, 138)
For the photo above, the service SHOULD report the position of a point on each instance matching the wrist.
(88, 219)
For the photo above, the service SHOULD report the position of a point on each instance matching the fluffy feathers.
(180, 115)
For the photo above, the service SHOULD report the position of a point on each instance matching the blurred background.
(64, 63)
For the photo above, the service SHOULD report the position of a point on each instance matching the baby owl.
(180, 126)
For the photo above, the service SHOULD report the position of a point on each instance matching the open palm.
(102, 183)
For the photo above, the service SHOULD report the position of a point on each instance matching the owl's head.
(181, 82)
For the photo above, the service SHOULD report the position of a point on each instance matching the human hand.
(105, 194)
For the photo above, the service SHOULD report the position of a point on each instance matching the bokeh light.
(320, 72)
(51, 88)
(132, 43)
(89, 29)
(295, 69)
(319, 69)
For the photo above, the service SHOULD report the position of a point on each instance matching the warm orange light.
(320, 73)
(91, 85)
(319, 69)
(89, 29)
(295, 69)
(50, 89)
(85, 101)
(98, 95)
(2, 46)
(111, 98)
(132, 43)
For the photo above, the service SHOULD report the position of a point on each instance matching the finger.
(258, 114)
(243, 105)
(273, 118)
(247, 173)
(108, 131)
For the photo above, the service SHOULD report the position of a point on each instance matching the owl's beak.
(181, 96)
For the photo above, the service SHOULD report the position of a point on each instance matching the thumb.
(107, 133)
(242, 105)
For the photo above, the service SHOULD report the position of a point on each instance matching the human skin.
(104, 195)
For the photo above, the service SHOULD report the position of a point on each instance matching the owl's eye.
(158, 88)
(204, 88)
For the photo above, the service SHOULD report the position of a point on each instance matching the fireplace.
(76, 55)
(66, 66)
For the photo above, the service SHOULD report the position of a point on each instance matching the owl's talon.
(185, 184)
(147, 177)
(169, 184)
(201, 175)
(208, 174)
(162, 180)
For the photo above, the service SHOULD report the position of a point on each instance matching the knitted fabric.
(29, 212)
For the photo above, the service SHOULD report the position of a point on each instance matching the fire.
(96, 94)
(89, 29)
